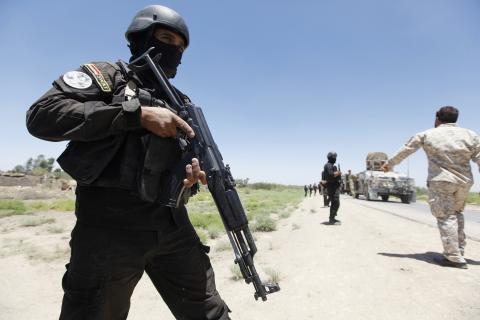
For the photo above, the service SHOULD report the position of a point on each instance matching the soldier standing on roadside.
(347, 184)
(117, 122)
(323, 187)
(310, 188)
(333, 178)
(305, 188)
(315, 189)
(449, 149)
(351, 183)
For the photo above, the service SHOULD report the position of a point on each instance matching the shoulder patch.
(77, 79)
(98, 76)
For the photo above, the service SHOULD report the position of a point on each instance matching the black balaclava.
(332, 157)
(171, 55)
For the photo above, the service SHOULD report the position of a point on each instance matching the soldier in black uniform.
(333, 178)
(323, 187)
(113, 120)
(305, 188)
(310, 188)
(314, 189)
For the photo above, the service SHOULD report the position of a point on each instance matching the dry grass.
(222, 246)
(55, 229)
(273, 276)
(37, 221)
(236, 274)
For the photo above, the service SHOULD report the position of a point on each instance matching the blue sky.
(281, 82)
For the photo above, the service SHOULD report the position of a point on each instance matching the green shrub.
(205, 220)
(214, 231)
(63, 205)
(241, 183)
(473, 198)
(285, 214)
(264, 186)
(259, 201)
(264, 223)
(55, 205)
(39, 171)
(12, 207)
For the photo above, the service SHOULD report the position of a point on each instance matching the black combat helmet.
(157, 15)
(332, 155)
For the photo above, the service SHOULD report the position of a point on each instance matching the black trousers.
(326, 201)
(334, 197)
(106, 264)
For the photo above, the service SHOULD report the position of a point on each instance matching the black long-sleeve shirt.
(105, 149)
(330, 177)
(67, 113)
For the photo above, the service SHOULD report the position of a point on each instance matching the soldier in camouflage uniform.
(449, 149)
(323, 187)
(351, 183)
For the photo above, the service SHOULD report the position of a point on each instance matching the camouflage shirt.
(449, 149)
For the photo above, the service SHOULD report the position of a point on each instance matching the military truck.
(374, 183)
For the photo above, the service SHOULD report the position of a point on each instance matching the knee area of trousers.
(83, 289)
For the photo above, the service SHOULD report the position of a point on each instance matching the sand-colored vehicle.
(374, 183)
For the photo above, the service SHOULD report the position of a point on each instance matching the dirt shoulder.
(373, 266)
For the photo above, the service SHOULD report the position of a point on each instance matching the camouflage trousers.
(352, 187)
(447, 201)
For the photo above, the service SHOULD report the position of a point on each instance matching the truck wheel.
(385, 198)
(405, 199)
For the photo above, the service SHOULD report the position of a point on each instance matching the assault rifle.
(220, 180)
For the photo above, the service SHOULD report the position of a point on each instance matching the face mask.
(171, 56)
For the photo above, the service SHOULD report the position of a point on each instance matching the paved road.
(420, 212)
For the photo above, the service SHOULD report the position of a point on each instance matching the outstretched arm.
(410, 147)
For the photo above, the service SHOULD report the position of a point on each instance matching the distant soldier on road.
(310, 188)
(323, 187)
(306, 190)
(351, 183)
(315, 189)
(333, 177)
(449, 149)
(347, 188)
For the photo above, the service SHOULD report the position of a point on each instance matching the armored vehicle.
(373, 182)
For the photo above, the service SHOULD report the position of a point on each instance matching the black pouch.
(85, 161)
(161, 177)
